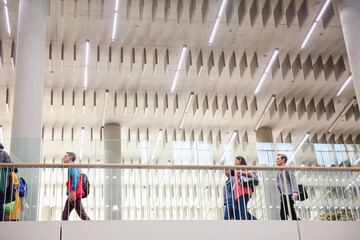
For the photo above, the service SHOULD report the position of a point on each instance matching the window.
(266, 153)
(144, 152)
(324, 155)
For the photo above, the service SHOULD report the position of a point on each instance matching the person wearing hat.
(242, 193)
(4, 158)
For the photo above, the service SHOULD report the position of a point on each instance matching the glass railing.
(174, 192)
(182, 152)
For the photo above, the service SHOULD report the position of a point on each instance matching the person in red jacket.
(74, 190)
(242, 193)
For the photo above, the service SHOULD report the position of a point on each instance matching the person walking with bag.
(74, 190)
(242, 192)
(4, 158)
(287, 185)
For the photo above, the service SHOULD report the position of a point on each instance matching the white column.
(29, 81)
(350, 23)
(28, 95)
(272, 198)
(113, 183)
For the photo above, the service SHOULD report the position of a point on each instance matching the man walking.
(74, 190)
(288, 189)
(4, 158)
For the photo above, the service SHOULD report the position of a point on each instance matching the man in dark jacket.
(4, 158)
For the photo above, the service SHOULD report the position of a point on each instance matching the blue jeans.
(241, 207)
(229, 211)
(2, 214)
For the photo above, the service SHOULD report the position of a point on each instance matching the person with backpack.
(242, 192)
(4, 158)
(74, 190)
(287, 185)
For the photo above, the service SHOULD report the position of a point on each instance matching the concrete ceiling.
(139, 97)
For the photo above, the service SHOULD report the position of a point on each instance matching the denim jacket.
(229, 190)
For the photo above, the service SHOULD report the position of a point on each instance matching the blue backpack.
(22, 188)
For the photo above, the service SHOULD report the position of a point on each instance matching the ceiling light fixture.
(7, 17)
(306, 137)
(272, 99)
(315, 22)
(186, 110)
(156, 144)
(115, 20)
(1, 134)
(105, 104)
(217, 22)
(347, 81)
(177, 72)
(341, 114)
(82, 142)
(267, 69)
(235, 133)
(87, 49)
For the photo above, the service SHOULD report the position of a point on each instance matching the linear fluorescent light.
(156, 144)
(7, 17)
(87, 49)
(115, 20)
(267, 69)
(307, 135)
(347, 81)
(217, 22)
(228, 145)
(272, 99)
(82, 142)
(315, 22)
(186, 110)
(105, 104)
(181, 60)
(1, 134)
(341, 114)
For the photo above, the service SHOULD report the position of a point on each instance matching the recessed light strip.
(87, 49)
(105, 104)
(235, 133)
(341, 114)
(267, 69)
(307, 135)
(7, 17)
(217, 22)
(272, 99)
(347, 81)
(115, 20)
(186, 110)
(156, 144)
(315, 22)
(181, 60)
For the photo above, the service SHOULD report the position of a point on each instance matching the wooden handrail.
(150, 166)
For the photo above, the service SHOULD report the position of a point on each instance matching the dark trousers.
(287, 208)
(2, 200)
(241, 207)
(229, 211)
(69, 206)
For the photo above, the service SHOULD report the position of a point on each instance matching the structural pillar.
(272, 196)
(28, 95)
(350, 22)
(113, 182)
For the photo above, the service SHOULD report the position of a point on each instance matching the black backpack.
(85, 185)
